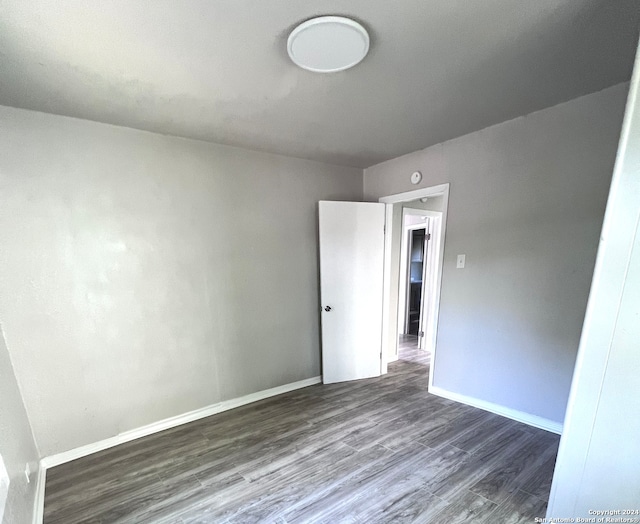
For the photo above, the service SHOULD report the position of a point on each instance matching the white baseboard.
(38, 505)
(161, 425)
(520, 416)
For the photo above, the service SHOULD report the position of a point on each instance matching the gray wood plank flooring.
(370, 451)
(408, 350)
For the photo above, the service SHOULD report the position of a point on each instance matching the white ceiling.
(218, 70)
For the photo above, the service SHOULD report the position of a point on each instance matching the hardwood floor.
(408, 351)
(369, 451)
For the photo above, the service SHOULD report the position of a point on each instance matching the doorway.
(413, 251)
(414, 254)
(413, 270)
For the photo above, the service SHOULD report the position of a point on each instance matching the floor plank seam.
(533, 495)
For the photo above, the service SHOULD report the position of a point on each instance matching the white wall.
(17, 445)
(145, 276)
(435, 203)
(597, 465)
(412, 220)
(526, 203)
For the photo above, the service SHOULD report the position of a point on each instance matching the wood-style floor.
(369, 451)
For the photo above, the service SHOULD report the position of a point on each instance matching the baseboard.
(520, 416)
(38, 504)
(155, 427)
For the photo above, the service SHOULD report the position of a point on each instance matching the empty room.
(319, 262)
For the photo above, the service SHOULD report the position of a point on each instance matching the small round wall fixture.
(416, 176)
(328, 44)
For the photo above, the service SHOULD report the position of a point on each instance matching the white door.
(351, 284)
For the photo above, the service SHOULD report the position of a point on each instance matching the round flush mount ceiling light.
(328, 44)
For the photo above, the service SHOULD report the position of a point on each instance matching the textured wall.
(526, 203)
(145, 276)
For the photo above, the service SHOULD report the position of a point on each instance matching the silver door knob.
(327, 308)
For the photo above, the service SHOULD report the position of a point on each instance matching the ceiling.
(218, 70)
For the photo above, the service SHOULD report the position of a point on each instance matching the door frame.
(391, 289)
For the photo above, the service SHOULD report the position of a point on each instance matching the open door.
(351, 285)
(428, 310)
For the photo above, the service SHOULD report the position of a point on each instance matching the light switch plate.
(460, 262)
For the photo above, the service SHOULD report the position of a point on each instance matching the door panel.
(351, 285)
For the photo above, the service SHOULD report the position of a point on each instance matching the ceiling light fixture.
(328, 44)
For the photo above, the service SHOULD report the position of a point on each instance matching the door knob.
(327, 308)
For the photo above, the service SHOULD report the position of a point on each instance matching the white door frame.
(390, 318)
